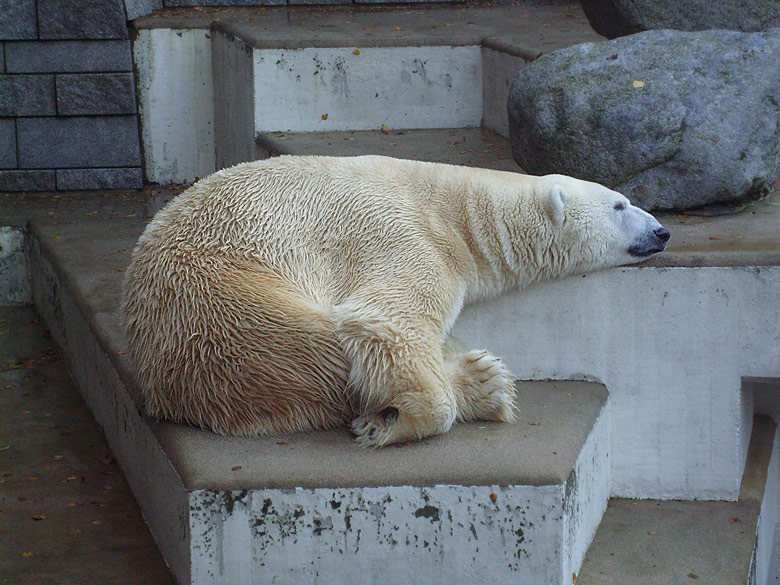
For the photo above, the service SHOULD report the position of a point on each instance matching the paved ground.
(67, 516)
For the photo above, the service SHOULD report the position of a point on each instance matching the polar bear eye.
(620, 206)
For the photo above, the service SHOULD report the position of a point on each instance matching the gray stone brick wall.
(67, 97)
(68, 117)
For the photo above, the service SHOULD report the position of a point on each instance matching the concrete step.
(68, 515)
(471, 147)
(707, 543)
(517, 502)
(216, 82)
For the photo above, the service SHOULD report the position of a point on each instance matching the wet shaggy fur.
(308, 292)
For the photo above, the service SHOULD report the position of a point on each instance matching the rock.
(616, 18)
(671, 119)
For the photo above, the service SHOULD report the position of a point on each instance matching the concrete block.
(342, 88)
(86, 179)
(223, 3)
(78, 142)
(68, 56)
(498, 71)
(317, 2)
(409, 1)
(176, 103)
(95, 94)
(14, 271)
(7, 144)
(27, 95)
(138, 8)
(233, 100)
(663, 342)
(27, 181)
(17, 20)
(81, 19)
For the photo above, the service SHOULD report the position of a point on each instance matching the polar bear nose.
(662, 234)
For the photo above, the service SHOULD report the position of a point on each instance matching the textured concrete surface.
(176, 104)
(679, 543)
(527, 29)
(671, 543)
(66, 513)
(473, 147)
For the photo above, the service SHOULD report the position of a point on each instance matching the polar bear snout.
(662, 234)
(651, 242)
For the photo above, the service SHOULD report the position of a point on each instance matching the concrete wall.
(176, 103)
(498, 70)
(14, 272)
(202, 112)
(234, 100)
(67, 97)
(322, 89)
(670, 344)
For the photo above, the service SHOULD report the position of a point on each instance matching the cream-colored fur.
(307, 292)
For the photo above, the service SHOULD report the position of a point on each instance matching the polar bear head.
(595, 227)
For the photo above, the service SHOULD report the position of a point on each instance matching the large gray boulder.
(671, 119)
(616, 18)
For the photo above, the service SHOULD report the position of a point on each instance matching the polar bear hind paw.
(390, 425)
(375, 430)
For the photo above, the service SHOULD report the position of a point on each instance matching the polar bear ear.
(554, 202)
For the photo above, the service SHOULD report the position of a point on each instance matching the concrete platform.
(66, 512)
(708, 543)
(471, 147)
(227, 510)
(216, 79)
(531, 28)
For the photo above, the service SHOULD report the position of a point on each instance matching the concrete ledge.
(328, 69)
(522, 30)
(227, 510)
(657, 543)
(474, 147)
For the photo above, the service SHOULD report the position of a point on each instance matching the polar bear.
(306, 292)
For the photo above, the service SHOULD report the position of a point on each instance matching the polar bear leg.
(484, 386)
(396, 376)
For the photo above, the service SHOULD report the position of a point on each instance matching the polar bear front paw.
(486, 387)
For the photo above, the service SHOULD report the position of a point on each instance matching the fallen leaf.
(356, 52)
(26, 554)
(574, 578)
(612, 57)
(493, 498)
(639, 84)
(236, 468)
(652, 532)
(324, 116)
(693, 575)
(33, 478)
(38, 517)
(385, 129)
(397, 28)
(735, 520)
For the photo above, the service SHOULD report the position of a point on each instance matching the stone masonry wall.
(67, 97)
(68, 117)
